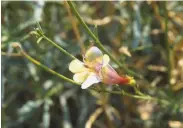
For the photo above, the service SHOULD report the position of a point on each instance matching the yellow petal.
(91, 79)
(93, 58)
(80, 77)
(77, 66)
(92, 54)
(106, 59)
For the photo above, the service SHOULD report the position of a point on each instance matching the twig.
(16, 45)
(11, 54)
(57, 46)
(167, 46)
(142, 97)
(40, 34)
(25, 37)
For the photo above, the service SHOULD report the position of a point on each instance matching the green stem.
(21, 40)
(97, 41)
(40, 34)
(167, 46)
(138, 91)
(57, 46)
(25, 37)
(43, 66)
(144, 97)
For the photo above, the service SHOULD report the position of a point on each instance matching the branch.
(142, 97)
(19, 48)
(59, 47)
(39, 33)
(167, 46)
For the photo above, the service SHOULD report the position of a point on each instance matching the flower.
(95, 68)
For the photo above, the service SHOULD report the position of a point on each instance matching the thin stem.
(138, 91)
(11, 54)
(25, 37)
(144, 97)
(40, 34)
(57, 46)
(42, 66)
(167, 46)
(97, 41)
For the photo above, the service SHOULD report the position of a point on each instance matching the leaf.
(39, 40)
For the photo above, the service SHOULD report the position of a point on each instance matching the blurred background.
(135, 33)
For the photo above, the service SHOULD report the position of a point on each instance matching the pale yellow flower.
(95, 69)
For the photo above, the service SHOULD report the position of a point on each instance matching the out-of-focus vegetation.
(145, 36)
